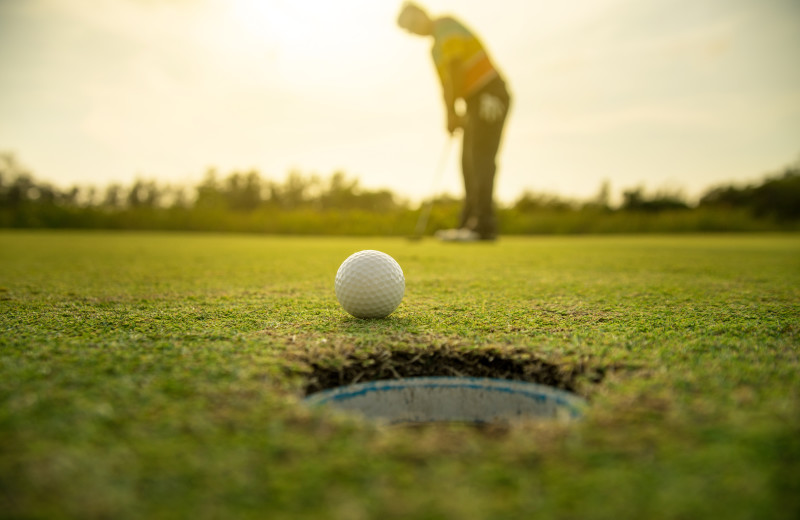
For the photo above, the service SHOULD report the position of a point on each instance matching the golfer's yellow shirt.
(452, 42)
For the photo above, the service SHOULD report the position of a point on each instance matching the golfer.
(466, 72)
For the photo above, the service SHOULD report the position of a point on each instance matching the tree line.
(338, 204)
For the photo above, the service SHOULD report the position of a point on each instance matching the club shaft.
(425, 213)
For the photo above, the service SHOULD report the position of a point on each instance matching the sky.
(674, 95)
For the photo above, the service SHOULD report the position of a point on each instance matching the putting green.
(147, 375)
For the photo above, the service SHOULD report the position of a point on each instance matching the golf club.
(425, 213)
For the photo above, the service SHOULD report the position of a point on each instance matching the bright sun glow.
(313, 41)
(304, 28)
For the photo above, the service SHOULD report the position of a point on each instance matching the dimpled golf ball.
(370, 284)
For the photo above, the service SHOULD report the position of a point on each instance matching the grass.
(159, 376)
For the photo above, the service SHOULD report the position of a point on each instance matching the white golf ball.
(370, 284)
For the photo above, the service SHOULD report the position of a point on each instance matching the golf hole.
(453, 400)
(447, 385)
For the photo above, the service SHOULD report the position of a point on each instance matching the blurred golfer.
(467, 73)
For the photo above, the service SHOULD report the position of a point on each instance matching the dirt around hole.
(335, 369)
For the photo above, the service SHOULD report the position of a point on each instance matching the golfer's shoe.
(457, 235)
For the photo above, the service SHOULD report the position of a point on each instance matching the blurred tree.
(144, 194)
(243, 191)
(135, 195)
(177, 197)
(343, 193)
(21, 190)
(602, 200)
(636, 200)
(45, 194)
(530, 202)
(6, 173)
(379, 201)
(340, 193)
(90, 197)
(70, 197)
(152, 194)
(295, 191)
(319, 205)
(777, 196)
(209, 193)
(113, 196)
(16, 182)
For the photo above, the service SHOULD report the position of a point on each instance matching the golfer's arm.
(451, 84)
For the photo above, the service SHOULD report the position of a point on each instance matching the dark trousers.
(481, 141)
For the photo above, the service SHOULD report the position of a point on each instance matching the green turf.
(158, 375)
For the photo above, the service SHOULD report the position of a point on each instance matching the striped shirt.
(452, 42)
